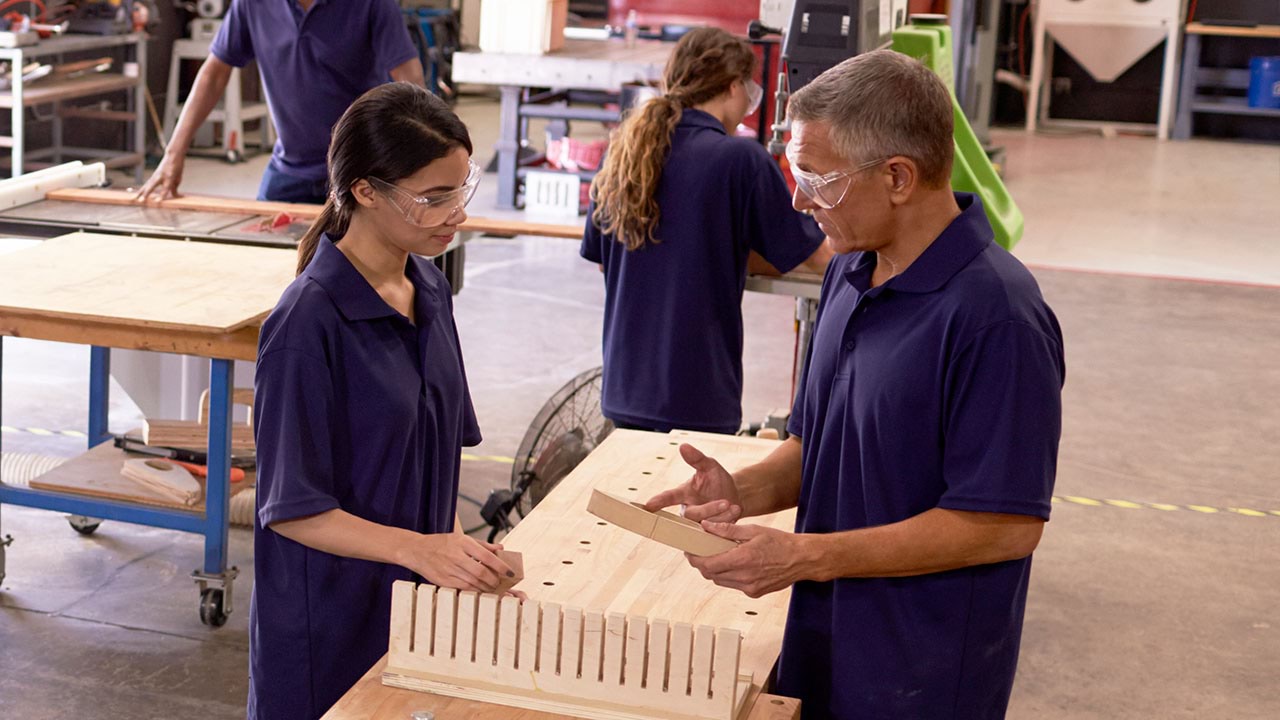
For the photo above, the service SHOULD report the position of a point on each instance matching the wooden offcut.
(661, 526)
(544, 656)
(165, 478)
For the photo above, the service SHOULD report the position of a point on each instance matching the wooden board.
(662, 526)
(572, 231)
(96, 474)
(145, 282)
(47, 90)
(369, 699)
(1259, 31)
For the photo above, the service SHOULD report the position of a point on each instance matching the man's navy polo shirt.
(940, 388)
(673, 310)
(314, 69)
(355, 408)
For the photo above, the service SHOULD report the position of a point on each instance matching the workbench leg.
(56, 131)
(1187, 88)
(4, 539)
(139, 96)
(508, 146)
(217, 491)
(99, 394)
(17, 118)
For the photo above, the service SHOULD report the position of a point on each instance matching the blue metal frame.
(213, 525)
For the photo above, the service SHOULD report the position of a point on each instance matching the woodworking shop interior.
(1126, 153)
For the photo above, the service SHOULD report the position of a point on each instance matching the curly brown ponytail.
(705, 63)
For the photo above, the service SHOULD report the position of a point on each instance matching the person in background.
(677, 209)
(924, 438)
(361, 410)
(315, 58)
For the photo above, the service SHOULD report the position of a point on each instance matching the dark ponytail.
(390, 132)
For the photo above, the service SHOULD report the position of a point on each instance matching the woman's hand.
(454, 560)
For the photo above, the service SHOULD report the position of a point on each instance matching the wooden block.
(655, 673)
(166, 478)
(663, 527)
(700, 665)
(592, 645)
(516, 561)
(465, 637)
(615, 636)
(549, 647)
(571, 643)
(635, 652)
(530, 627)
(724, 670)
(445, 622)
(508, 632)
(487, 629)
(402, 617)
(424, 619)
(192, 434)
(680, 653)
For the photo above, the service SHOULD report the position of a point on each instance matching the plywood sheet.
(145, 282)
(97, 474)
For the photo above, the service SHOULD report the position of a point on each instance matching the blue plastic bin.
(1264, 82)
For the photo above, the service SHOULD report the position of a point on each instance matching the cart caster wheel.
(211, 612)
(83, 525)
(235, 156)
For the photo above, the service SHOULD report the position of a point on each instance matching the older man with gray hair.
(924, 438)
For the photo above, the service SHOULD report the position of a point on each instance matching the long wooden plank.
(240, 344)
(369, 699)
(300, 211)
(144, 282)
(1258, 31)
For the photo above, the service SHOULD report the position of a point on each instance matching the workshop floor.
(1136, 610)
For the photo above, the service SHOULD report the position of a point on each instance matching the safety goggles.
(828, 191)
(433, 209)
(755, 94)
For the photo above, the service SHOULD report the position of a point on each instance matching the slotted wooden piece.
(600, 659)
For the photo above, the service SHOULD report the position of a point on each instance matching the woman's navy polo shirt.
(673, 310)
(940, 388)
(354, 408)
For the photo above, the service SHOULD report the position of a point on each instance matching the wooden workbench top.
(143, 293)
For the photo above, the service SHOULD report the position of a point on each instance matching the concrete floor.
(1133, 613)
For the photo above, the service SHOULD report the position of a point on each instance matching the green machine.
(928, 40)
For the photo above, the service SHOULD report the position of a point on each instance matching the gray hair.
(880, 104)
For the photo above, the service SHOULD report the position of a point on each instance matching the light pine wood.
(703, 686)
(662, 526)
(169, 479)
(302, 212)
(239, 344)
(54, 89)
(515, 561)
(193, 434)
(369, 699)
(1258, 31)
(144, 282)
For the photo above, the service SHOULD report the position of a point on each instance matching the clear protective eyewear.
(755, 94)
(432, 209)
(828, 191)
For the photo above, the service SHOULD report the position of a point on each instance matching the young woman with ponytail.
(675, 212)
(362, 409)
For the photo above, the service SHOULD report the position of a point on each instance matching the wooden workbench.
(111, 291)
(574, 558)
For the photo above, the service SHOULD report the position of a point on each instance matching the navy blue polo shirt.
(354, 408)
(313, 65)
(673, 310)
(939, 388)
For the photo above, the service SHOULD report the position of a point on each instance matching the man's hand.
(710, 494)
(454, 560)
(765, 561)
(163, 183)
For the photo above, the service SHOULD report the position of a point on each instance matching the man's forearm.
(773, 484)
(933, 541)
(410, 72)
(208, 89)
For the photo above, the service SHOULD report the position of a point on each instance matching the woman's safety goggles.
(431, 209)
(828, 191)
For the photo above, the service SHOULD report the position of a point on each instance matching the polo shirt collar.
(355, 297)
(967, 235)
(697, 118)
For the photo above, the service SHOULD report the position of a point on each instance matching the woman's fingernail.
(510, 574)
